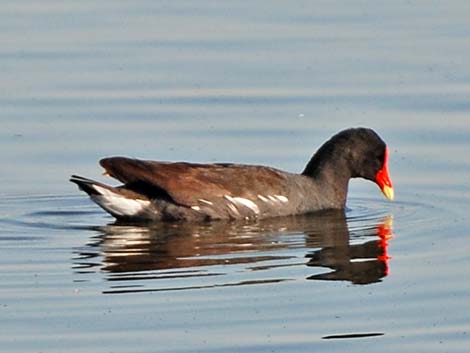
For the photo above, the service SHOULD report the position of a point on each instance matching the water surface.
(266, 83)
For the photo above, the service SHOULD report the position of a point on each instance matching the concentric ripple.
(342, 246)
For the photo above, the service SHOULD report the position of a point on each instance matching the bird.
(154, 191)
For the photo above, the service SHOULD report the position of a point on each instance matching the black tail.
(88, 185)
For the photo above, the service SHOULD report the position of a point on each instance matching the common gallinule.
(164, 191)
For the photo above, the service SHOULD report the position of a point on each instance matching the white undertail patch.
(117, 204)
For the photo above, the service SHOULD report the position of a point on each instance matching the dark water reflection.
(132, 254)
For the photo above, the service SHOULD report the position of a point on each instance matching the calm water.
(266, 83)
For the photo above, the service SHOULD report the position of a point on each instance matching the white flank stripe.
(247, 203)
(272, 198)
(281, 198)
(262, 198)
(205, 201)
(196, 208)
(244, 202)
(233, 208)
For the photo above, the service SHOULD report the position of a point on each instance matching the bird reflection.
(357, 254)
(361, 263)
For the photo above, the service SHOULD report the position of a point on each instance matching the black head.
(353, 153)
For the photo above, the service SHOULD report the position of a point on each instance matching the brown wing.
(186, 183)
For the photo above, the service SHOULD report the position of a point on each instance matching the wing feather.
(186, 183)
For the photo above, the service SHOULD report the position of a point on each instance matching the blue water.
(264, 83)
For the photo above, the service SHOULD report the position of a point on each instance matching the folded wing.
(187, 183)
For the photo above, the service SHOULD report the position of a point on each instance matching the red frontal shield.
(383, 178)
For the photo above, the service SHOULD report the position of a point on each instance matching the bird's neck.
(331, 173)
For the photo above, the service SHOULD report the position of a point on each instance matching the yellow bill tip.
(388, 192)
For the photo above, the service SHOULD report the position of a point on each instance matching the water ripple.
(333, 246)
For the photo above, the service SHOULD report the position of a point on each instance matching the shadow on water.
(185, 256)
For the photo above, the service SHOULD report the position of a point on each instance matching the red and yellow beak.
(383, 179)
